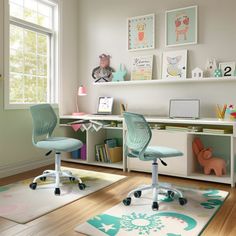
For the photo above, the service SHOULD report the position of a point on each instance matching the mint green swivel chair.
(44, 122)
(138, 137)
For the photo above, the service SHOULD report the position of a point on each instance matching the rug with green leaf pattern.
(171, 219)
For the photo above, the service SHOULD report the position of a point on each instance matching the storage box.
(116, 154)
(75, 154)
(83, 152)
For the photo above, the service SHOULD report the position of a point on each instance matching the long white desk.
(224, 144)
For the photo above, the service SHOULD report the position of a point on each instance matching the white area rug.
(171, 219)
(21, 204)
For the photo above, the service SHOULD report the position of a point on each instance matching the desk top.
(153, 118)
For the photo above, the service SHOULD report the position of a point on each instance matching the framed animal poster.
(142, 68)
(181, 26)
(227, 68)
(141, 32)
(174, 64)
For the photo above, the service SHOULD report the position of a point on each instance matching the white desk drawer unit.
(175, 165)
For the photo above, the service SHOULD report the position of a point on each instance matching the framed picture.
(181, 26)
(142, 68)
(174, 64)
(141, 32)
(227, 68)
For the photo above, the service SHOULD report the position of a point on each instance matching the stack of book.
(217, 131)
(177, 128)
(109, 152)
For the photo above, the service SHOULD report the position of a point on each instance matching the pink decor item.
(205, 159)
(76, 127)
(81, 92)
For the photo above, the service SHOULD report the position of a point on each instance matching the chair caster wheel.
(33, 186)
(81, 186)
(72, 179)
(127, 201)
(43, 178)
(182, 201)
(137, 194)
(155, 206)
(57, 191)
(170, 194)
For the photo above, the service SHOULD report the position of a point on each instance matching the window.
(32, 64)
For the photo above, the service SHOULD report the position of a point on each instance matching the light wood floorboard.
(63, 220)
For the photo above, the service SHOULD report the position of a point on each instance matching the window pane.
(30, 88)
(32, 11)
(29, 65)
(16, 88)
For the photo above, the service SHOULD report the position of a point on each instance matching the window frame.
(53, 94)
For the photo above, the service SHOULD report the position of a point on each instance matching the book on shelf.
(217, 131)
(109, 152)
(177, 128)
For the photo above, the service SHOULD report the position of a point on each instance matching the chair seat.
(60, 144)
(153, 152)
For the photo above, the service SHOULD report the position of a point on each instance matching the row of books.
(108, 152)
(217, 131)
(198, 129)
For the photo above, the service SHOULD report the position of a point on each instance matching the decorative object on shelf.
(227, 68)
(142, 68)
(174, 64)
(181, 26)
(218, 73)
(81, 92)
(141, 32)
(206, 160)
(221, 111)
(103, 73)
(197, 73)
(231, 111)
(120, 74)
(211, 66)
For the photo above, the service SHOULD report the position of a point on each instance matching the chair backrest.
(44, 120)
(139, 134)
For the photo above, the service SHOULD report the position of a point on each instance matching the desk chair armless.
(44, 122)
(138, 137)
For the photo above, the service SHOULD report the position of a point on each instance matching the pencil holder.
(220, 112)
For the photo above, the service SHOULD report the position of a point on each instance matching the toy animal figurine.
(210, 68)
(205, 159)
(103, 73)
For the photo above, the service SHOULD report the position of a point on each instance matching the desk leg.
(232, 149)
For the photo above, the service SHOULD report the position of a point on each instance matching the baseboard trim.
(16, 168)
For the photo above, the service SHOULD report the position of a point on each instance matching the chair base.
(57, 174)
(157, 188)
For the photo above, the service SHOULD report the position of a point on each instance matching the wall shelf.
(166, 81)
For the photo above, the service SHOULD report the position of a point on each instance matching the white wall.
(102, 28)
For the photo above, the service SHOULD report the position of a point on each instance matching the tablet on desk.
(105, 105)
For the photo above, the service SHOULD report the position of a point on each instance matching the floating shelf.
(165, 81)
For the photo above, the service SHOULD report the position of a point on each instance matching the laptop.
(105, 106)
(184, 108)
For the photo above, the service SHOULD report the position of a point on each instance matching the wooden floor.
(63, 221)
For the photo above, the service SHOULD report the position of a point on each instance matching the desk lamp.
(81, 92)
